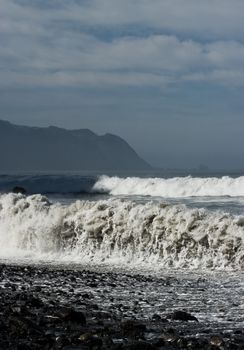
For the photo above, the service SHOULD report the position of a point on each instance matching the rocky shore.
(59, 308)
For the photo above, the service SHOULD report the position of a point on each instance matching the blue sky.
(166, 75)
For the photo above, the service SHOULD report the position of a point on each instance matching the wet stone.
(132, 328)
(182, 316)
(72, 315)
(217, 341)
(59, 308)
(156, 317)
(19, 189)
(141, 346)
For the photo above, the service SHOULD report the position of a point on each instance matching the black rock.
(160, 342)
(86, 296)
(156, 317)
(140, 345)
(45, 315)
(93, 341)
(35, 302)
(24, 347)
(74, 316)
(38, 288)
(21, 326)
(182, 316)
(19, 189)
(216, 341)
(132, 328)
(17, 326)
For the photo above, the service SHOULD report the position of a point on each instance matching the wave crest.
(123, 232)
(176, 187)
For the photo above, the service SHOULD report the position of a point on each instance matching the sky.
(166, 75)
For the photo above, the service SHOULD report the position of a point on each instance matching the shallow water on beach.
(216, 299)
(141, 255)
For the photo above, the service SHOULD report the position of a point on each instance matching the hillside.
(24, 148)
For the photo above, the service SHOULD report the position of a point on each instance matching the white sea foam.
(176, 187)
(121, 232)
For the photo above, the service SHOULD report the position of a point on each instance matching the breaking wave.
(120, 232)
(176, 187)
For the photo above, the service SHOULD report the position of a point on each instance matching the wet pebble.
(45, 308)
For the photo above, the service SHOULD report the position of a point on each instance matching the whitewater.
(176, 187)
(157, 223)
(120, 232)
(173, 187)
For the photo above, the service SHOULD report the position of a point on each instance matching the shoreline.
(43, 307)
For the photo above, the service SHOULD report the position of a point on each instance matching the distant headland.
(24, 148)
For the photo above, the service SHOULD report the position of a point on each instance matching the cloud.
(229, 78)
(155, 72)
(43, 45)
(219, 19)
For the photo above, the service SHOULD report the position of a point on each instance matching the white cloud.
(44, 47)
(208, 18)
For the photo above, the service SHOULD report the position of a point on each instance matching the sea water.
(186, 230)
(147, 222)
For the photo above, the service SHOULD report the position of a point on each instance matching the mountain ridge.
(31, 148)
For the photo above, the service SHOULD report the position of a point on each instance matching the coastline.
(45, 307)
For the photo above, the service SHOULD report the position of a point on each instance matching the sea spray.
(120, 231)
(176, 187)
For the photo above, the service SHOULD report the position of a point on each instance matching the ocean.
(184, 237)
(155, 223)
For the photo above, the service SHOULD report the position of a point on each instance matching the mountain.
(24, 148)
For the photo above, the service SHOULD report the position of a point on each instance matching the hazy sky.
(166, 75)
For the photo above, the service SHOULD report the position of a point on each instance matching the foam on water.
(120, 232)
(176, 187)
